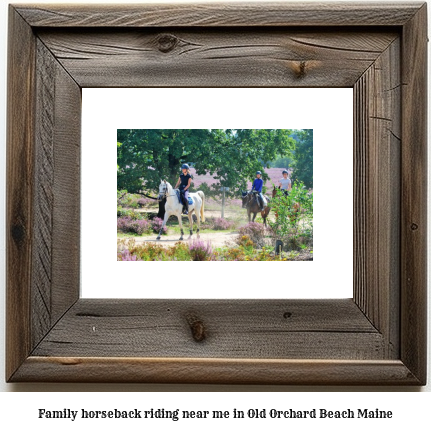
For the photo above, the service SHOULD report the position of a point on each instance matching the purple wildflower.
(199, 250)
(126, 256)
(156, 225)
(222, 224)
(127, 224)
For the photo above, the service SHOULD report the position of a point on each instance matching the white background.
(329, 112)
(21, 409)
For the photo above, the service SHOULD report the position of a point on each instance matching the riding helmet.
(285, 172)
(258, 173)
(185, 166)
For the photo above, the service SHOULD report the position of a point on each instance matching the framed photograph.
(376, 337)
(225, 240)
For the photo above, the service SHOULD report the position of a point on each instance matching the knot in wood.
(414, 226)
(18, 233)
(167, 42)
(197, 328)
(301, 69)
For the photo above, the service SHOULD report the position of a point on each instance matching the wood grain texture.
(215, 371)
(20, 198)
(377, 99)
(43, 194)
(220, 14)
(414, 195)
(378, 338)
(268, 329)
(216, 58)
(67, 198)
(55, 278)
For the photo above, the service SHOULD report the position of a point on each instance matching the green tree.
(232, 155)
(145, 156)
(303, 158)
(250, 150)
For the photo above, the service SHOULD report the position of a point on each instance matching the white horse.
(174, 207)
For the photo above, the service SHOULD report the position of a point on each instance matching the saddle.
(180, 199)
(264, 200)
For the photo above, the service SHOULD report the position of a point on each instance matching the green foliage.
(282, 162)
(294, 221)
(144, 156)
(239, 153)
(210, 191)
(134, 215)
(303, 161)
(148, 155)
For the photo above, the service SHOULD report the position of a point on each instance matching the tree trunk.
(161, 213)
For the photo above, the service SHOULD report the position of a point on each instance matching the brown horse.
(295, 208)
(249, 201)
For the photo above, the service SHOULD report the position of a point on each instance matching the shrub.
(180, 251)
(128, 224)
(148, 251)
(200, 251)
(138, 226)
(222, 224)
(122, 212)
(235, 254)
(125, 199)
(292, 209)
(245, 242)
(255, 232)
(144, 202)
(294, 221)
(122, 223)
(156, 225)
(126, 256)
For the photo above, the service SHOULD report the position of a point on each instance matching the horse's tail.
(202, 196)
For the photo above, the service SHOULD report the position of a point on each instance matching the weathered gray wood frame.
(378, 337)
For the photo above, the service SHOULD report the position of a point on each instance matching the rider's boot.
(186, 208)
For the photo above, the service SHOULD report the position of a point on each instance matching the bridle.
(247, 198)
(164, 194)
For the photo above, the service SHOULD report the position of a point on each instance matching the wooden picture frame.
(378, 337)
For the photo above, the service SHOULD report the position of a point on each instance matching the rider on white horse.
(174, 207)
(185, 181)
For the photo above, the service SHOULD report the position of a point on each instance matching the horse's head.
(163, 188)
(245, 198)
(274, 191)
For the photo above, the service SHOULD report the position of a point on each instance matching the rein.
(165, 193)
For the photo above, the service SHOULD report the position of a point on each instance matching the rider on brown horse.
(256, 205)
(257, 186)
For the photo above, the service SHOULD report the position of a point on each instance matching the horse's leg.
(254, 216)
(191, 224)
(249, 214)
(198, 221)
(181, 226)
(165, 219)
(265, 215)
